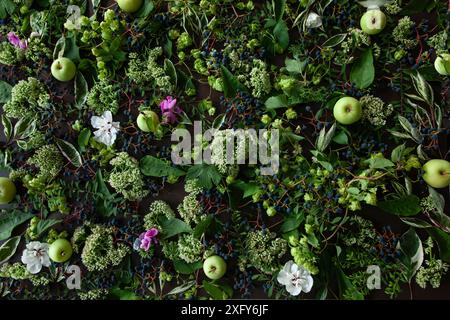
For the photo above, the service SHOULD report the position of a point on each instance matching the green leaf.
(10, 220)
(81, 90)
(182, 288)
(334, 40)
(248, 189)
(292, 222)
(202, 226)
(416, 223)
(7, 8)
(146, 9)
(279, 8)
(183, 267)
(70, 152)
(7, 126)
(295, 66)
(379, 163)
(5, 91)
(155, 167)
(341, 138)
(43, 225)
(8, 248)
(170, 70)
(325, 137)
(24, 127)
(405, 206)
(281, 34)
(363, 71)
(347, 288)
(207, 175)
(122, 294)
(423, 88)
(174, 226)
(104, 200)
(411, 247)
(443, 240)
(397, 153)
(83, 138)
(276, 102)
(230, 84)
(214, 291)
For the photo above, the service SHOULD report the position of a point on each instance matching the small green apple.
(7, 190)
(129, 6)
(148, 121)
(347, 110)
(63, 69)
(373, 21)
(214, 267)
(437, 173)
(60, 250)
(442, 64)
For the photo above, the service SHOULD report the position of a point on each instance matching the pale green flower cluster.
(355, 39)
(28, 99)
(259, 79)
(100, 252)
(375, 111)
(303, 256)
(402, 32)
(10, 55)
(439, 42)
(18, 271)
(190, 209)
(49, 161)
(126, 178)
(189, 248)
(263, 251)
(157, 210)
(94, 294)
(145, 71)
(393, 7)
(37, 50)
(433, 269)
(104, 96)
(363, 234)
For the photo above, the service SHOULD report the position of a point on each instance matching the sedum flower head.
(402, 33)
(157, 210)
(104, 96)
(374, 110)
(49, 161)
(189, 248)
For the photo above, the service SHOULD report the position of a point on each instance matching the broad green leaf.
(279, 7)
(412, 252)
(281, 34)
(83, 138)
(207, 175)
(363, 71)
(202, 226)
(81, 90)
(295, 66)
(7, 8)
(214, 291)
(443, 240)
(7, 126)
(123, 294)
(70, 152)
(146, 9)
(183, 267)
(334, 40)
(155, 167)
(397, 153)
(379, 163)
(341, 138)
(405, 206)
(248, 189)
(5, 92)
(182, 288)
(276, 102)
(11, 219)
(230, 84)
(292, 222)
(174, 226)
(8, 248)
(43, 225)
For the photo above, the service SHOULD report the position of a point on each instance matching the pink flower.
(170, 109)
(147, 238)
(16, 42)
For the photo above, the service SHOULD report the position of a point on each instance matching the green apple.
(437, 173)
(148, 121)
(129, 6)
(214, 267)
(442, 64)
(347, 110)
(63, 69)
(7, 190)
(373, 21)
(60, 250)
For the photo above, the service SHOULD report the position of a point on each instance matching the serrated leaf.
(295, 66)
(70, 152)
(155, 167)
(230, 84)
(43, 225)
(8, 248)
(183, 267)
(341, 138)
(276, 102)
(207, 175)
(202, 226)
(397, 153)
(404, 206)
(5, 92)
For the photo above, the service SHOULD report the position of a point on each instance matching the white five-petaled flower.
(107, 129)
(295, 278)
(35, 256)
(313, 20)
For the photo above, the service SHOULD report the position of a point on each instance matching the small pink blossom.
(146, 239)
(16, 42)
(170, 109)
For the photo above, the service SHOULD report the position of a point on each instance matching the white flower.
(313, 20)
(295, 278)
(107, 129)
(374, 4)
(35, 256)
